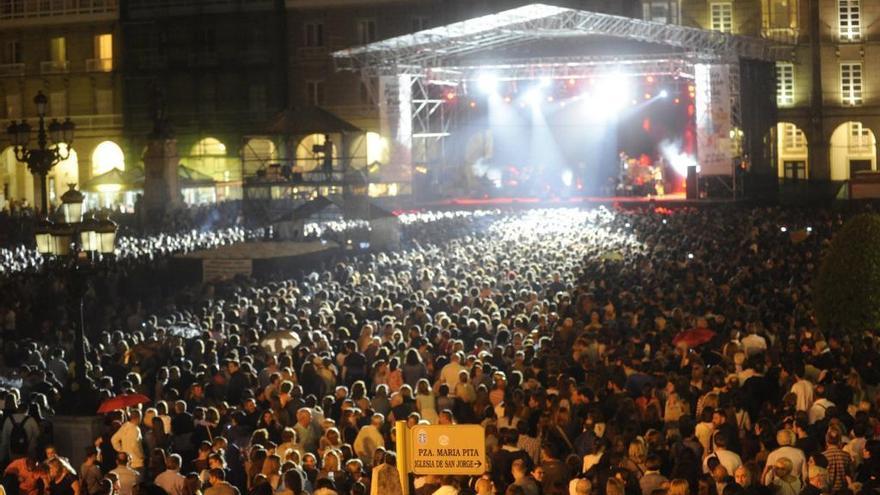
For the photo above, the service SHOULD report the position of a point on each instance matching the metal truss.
(448, 45)
(564, 68)
(431, 120)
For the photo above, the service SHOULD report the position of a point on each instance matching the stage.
(260, 259)
(667, 200)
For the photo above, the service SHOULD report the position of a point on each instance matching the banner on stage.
(224, 269)
(713, 113)
(395, 123)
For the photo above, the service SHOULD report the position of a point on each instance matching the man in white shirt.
(729, 459)
(802, 389)
(753, 343)
(449, 373)
(369, 438)
(820, 406)
(786, 441)
(171, 480)
(128, 439)
(126, 477)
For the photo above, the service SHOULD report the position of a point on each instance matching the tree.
(847, 292)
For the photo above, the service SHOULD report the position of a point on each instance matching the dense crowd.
(604, 352)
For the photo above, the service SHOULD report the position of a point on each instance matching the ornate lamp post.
(77, 243)
(41, 159)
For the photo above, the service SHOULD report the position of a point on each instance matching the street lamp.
(45, 156)
(78, 243)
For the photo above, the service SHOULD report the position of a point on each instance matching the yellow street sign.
(447, 449)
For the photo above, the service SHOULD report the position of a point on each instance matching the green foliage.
(847, 292)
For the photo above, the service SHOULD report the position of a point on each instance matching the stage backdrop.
(713, 119)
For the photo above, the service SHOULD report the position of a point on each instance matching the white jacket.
(128, 439)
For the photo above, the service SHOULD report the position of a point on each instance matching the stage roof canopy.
(464, 44)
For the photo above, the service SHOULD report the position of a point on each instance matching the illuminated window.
(859, 137)
(367, 31)
(851, 83)
(784, 84)
(722, 16)
(107, 156)
(314, 32)
(780, 14)
(662, 11)
(850, 17)
(315, 92)
(58, 49)
(104, 46)
(793, 139)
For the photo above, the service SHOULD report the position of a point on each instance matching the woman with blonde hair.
(425, 401)
(636, 456)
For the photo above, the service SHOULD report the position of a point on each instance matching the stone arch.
(306, 159)
(16, 181)
(853, 148)
(209, 156)
(106, 156)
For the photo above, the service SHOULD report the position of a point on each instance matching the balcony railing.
(781, 35)
(41, 9)
(99, 65)
(54, 66)
(11, 69)
(97, 121)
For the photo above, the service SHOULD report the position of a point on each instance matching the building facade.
(827, 92)
(218, 71)
(68, 51)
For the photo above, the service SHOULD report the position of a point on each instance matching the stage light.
(783, 229)
(532, 96)
(571, 82)
(650, 79)
(507, 99)
(567, 178)
(611, 94)
(450, 95)
(647, 96)
(473, 104)
(550, 99)
(809, 229)
(664, 94)
(488, 83)
(690, 256)
(677, 101)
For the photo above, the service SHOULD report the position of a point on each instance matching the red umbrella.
(122, 401)
(694, 337)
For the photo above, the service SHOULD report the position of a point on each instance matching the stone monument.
(161, 160)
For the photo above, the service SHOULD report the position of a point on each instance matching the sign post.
(446, 449)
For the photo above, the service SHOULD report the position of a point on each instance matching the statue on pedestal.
(161, 180)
